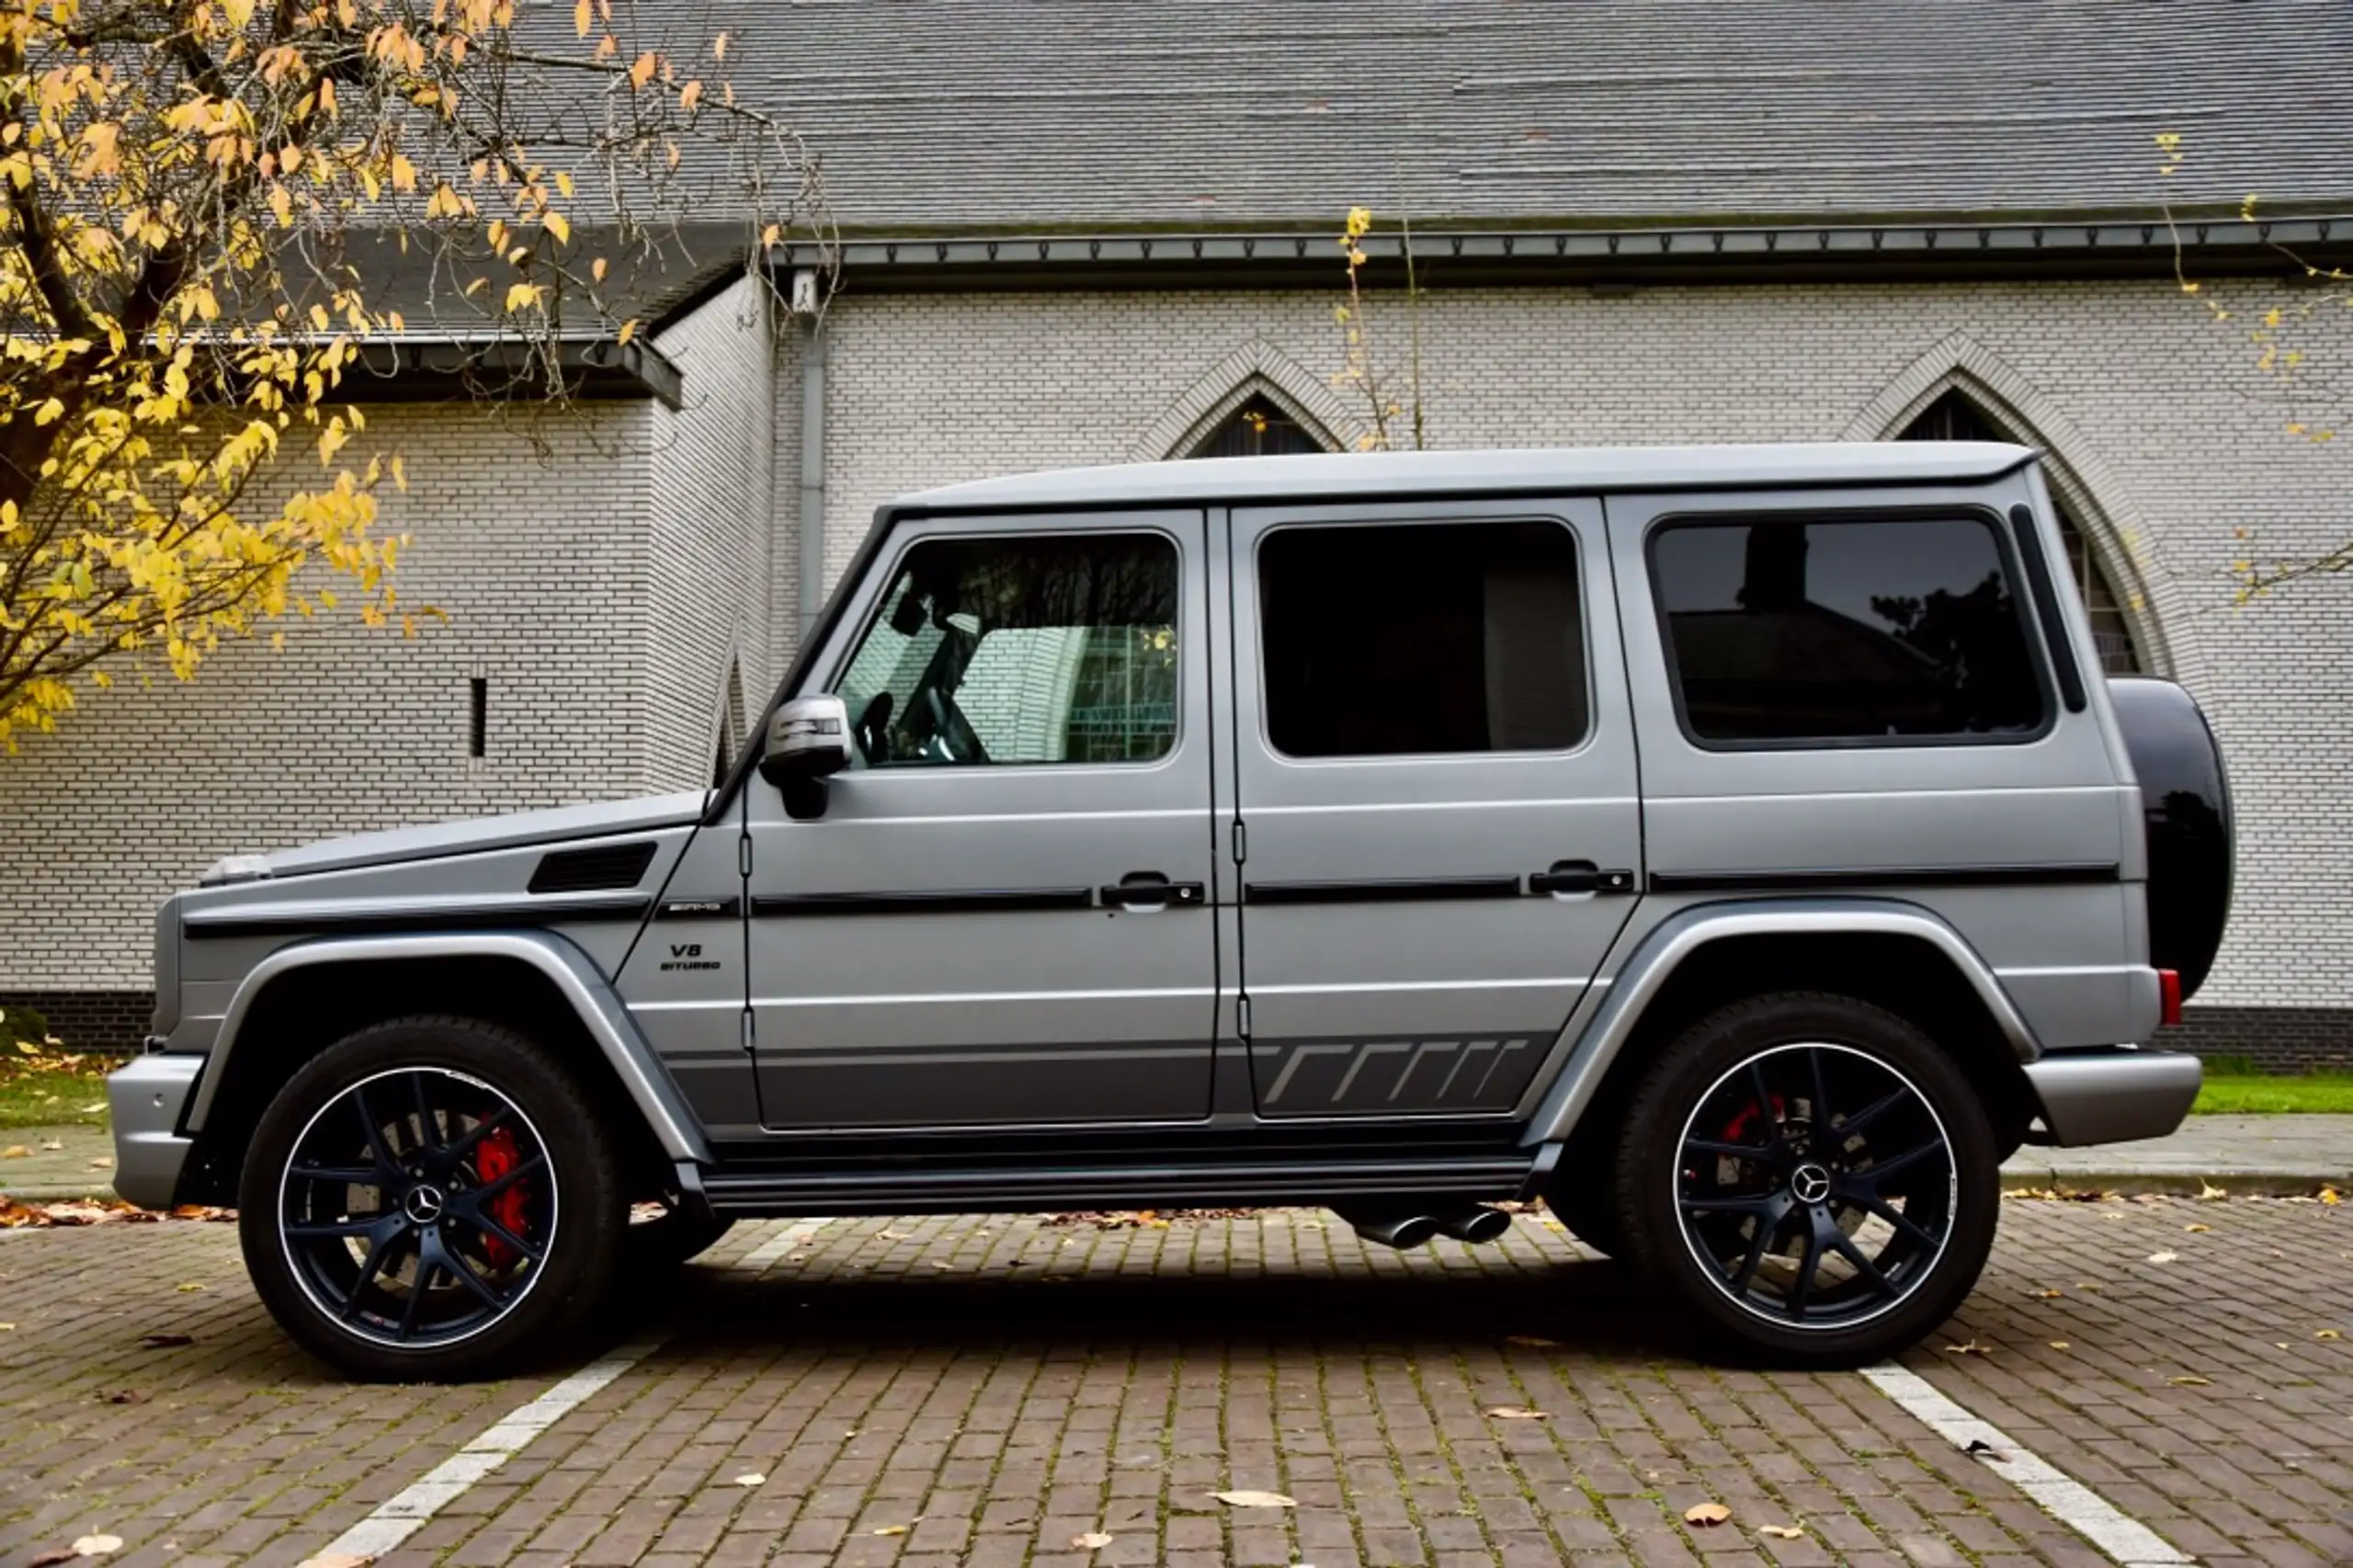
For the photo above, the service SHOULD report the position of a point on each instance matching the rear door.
(1438, 815)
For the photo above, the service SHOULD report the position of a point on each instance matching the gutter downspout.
(811, 514)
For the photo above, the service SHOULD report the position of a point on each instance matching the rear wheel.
(1812, 1175)
(431, 1198)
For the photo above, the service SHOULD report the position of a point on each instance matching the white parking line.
(401, 1516)
(2124, 1540)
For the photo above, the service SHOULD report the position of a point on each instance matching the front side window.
(1043, 649)
(1422, 639)
(1797, 631)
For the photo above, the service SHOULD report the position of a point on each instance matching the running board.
(934, 1189)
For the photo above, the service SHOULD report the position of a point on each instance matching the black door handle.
(1150, 890)
(1580, 876)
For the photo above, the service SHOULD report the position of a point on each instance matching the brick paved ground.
(984, 1390)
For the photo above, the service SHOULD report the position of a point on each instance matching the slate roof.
(934, 116)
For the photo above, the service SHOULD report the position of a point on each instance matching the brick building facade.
(621, 599)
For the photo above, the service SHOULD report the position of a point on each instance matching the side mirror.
(808, 741)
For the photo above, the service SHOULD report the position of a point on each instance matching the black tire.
(1793, 1247)
(439, 1152)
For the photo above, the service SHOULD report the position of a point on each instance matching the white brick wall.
(712, 598)
(602, 589)
(2160, 423)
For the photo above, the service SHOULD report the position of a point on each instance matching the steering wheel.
(934, 708)
(873, 728)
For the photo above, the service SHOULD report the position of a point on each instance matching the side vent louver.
(586, 871)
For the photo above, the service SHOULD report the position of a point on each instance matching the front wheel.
(432, 1199)
(1812, 1175)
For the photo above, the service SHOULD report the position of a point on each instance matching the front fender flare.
(576, 979)
(1654, 962)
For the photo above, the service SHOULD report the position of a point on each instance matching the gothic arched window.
(1953, 418)
(1257, 429)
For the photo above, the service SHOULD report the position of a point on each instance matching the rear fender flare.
(1655, 960)
(577, 980)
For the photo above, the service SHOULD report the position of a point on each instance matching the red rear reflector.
(2169, 995)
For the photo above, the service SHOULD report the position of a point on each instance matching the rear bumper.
(2114, 1095)
(147, 1097)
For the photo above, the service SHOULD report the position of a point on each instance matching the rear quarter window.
(1791, 631)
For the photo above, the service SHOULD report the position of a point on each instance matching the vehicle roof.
(1569, 470)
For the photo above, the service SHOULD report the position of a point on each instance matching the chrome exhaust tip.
(1396, 1230)
(1479, 1224)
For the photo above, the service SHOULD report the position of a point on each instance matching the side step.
(1488, 1177)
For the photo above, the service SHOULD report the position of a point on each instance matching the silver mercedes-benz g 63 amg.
(1737, 847)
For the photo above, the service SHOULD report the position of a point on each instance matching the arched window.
(1953, 418)
(1257, 429)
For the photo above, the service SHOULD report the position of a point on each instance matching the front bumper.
(147, 1097)
(2114, 1095)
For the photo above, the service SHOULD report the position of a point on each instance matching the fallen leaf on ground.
(2061, 1344)
(15, 1152)
(2189, 1381)
(166, 1341)
(2165, 1257)
(96, 1545)
(189, 1287)
(890, 1236)
(123, 1396)
(1533, 1341)
(2196, 1228)
(2048, 1295)
(103, 1162)
(2086, 1285)
(2209, 1191)
(53, 1145)
(891, 1530)
(1256, 1500)
(337, 1559)
(1517, 1413)
(1092, 1540)
(1782, 1532)
(2330, 1197)
(51, 1558)
(751, 1478)
(1706, 1515)
(8, 1327)
(2327, 1333)
(1972, 1348)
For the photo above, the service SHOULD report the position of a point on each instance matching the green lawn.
(52, 1089)
(2243, 1093)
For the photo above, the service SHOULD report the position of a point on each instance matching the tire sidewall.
(590, 1205)
(1651, 1147)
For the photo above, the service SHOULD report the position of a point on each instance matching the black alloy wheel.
(434, 1198)
(1816, 1186)
(1809, 1178)
(418, 1207)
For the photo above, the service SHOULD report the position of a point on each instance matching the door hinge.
(1240, 842)
(744, 856)
(1242, 1017)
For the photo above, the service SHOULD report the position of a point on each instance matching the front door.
(1440, 823)
(1003, 916)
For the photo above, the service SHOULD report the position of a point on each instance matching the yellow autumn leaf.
(522, 296)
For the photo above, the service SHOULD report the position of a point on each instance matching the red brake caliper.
(494, 1157)
(1736, 1130)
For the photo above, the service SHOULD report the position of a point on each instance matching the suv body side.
(2019, 862)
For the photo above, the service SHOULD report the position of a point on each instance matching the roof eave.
(2048, 247)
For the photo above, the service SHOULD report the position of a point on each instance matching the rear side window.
(1421, 639)
(1796, 630)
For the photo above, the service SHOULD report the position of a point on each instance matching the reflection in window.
(1953, 418)
(1054, 648)
(1395, 641)
(1828, 630)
